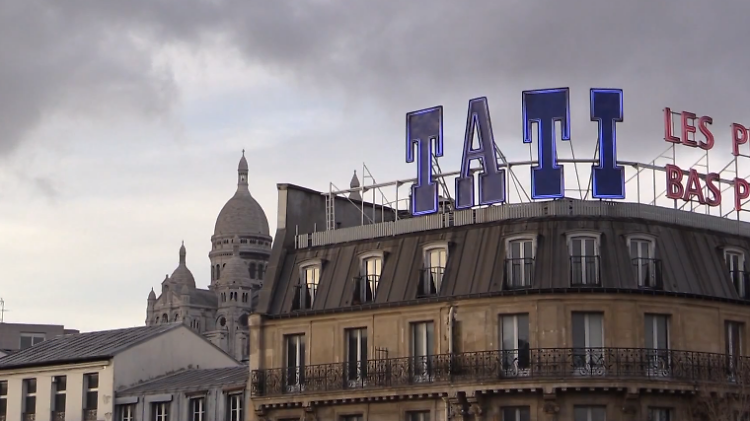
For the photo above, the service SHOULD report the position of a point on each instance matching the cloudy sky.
(122, 123)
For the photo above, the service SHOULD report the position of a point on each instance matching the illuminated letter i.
(424, 127)
(608, 178)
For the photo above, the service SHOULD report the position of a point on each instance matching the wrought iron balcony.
(430, 280)
(584, 271)
(365, 288)
(89, 415)
(304, 296)
(28, 417)
(487, 366)
(58, 415)
(647, 273)
(741, 281)
(519, 273)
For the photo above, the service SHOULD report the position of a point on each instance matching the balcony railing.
(741, 282)
(499, 366)
(519, 273)
(365, 288)
(58, 415)
(647, 273)
(28, 417)
(430, 280)
(89, 415)
(584, 271)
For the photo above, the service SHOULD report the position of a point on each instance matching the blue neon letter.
(545, 107)
(492, 178)
(608, 177)
(422, 128)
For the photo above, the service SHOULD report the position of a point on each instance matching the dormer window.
(435, 259)
(584, 259)
(735, 259)
(519, 262)
(646, 268)
(366, 284)
(304, 297)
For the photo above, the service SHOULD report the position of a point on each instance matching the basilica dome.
(242, 214)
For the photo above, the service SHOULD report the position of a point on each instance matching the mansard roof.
(690, 258)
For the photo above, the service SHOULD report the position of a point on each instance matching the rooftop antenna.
(2, 310)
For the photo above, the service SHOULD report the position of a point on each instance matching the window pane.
(523, 329)
(581, 414)
(662, 333)
(579, 330)
(595, 339)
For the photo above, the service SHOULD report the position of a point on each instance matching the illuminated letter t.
(545, 107)
(422, 128)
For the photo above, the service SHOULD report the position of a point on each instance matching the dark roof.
(191, 380)
(204, 297)
(690, 258)
(79, 347)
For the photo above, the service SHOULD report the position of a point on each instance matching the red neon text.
(693, 187)
(741, 192)
(688, 130)
(739, 137)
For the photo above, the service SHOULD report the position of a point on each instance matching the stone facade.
(626, 386)
(241, 245)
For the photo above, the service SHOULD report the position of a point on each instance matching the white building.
(240, 248)
(193, 395)
(76, 377)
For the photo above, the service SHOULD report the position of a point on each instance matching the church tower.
(241, 217)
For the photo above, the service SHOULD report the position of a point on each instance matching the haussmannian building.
(557, 310)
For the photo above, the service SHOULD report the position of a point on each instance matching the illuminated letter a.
(424, 128)
(492, 178)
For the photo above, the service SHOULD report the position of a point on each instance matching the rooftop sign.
(706, 192)
(541, 110)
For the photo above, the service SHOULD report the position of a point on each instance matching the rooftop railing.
(501, 366)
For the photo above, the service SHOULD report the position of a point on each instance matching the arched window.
(243, 320)
(164, 318)
(218, 271)
(252, 270)
(584, 258)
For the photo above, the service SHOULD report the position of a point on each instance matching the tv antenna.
(2, 310)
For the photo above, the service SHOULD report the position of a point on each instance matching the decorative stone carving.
(551, 407)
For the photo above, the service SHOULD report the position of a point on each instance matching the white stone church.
(241, 246)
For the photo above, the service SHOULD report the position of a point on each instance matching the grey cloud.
(55, 59)
(394, 53)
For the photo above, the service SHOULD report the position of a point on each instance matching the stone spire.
(242, 171)
(353, 185)
(183, 253)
